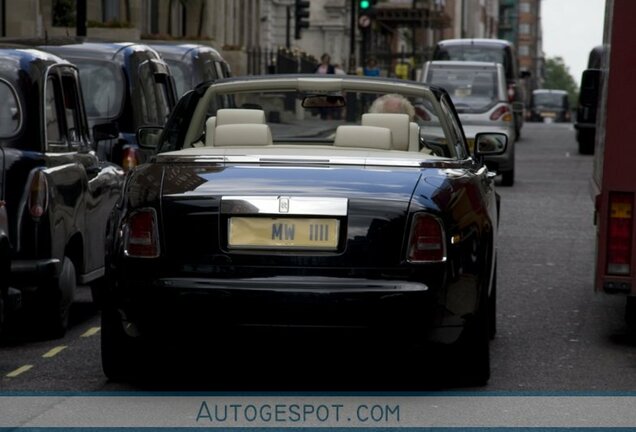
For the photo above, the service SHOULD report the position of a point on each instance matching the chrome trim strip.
(304, 284)
(264, 160)
(310, 206)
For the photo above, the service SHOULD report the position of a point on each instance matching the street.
(554, 332)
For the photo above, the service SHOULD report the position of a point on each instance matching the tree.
(558, 77)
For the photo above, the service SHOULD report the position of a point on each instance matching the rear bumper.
(170, 308)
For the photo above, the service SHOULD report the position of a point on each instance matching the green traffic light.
(364, 4)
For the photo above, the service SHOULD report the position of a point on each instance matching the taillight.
(426, 240)
(129, 158)
(502, 113)
(619, 233)
(38, 199)
(141, 234)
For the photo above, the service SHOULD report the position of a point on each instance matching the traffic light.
(365, 7)
(301, 14)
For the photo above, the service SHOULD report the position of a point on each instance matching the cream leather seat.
(404, 133)
(228, 116)
(230, 135)
(371, 137)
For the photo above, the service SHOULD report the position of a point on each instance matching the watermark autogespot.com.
(307, 413)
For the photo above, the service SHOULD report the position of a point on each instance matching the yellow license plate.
(283, 233)
(548, 114)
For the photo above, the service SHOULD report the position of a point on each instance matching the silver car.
(479, 93)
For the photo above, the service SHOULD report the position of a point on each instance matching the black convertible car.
(264, 208)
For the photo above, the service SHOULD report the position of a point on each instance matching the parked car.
(257, 214)
(490, 50)
(550, 105)
(589, 95)
(57, 193)
(126, 86)
(478, 90)
(192, 64)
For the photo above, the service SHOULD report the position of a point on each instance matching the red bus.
(614, 176)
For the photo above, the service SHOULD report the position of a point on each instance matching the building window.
(524, 50)
(524, 28)
(110, 10)
(524, 7)
(151, 22)
(64, 13)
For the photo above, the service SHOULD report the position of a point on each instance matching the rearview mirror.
(148, 137)
(490, 144)
(324, 101)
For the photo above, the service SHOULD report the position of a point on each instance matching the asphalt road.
(554, 332)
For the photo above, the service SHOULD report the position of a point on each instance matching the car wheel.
(56, 300)
(120, 352)
(97, 291)
(586, 143)
(492, 307)
(630, 313)
(472, 351)
(508, 178)
(4, 285)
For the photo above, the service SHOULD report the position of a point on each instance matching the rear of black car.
(187, 255)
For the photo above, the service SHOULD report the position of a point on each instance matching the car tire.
(630, 313)
(508, 178)
(121, 355)
(586, 143)
(56, 300)
(97, 292)
(5, 268)
(492, 307)
(471, 353)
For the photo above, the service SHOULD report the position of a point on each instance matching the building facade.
(250, 34)
(520, 23)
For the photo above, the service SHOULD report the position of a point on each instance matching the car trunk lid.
(205, 206)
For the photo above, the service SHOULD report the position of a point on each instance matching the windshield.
(206, 68)
(313, 117)
(472, 53)
(103, 88)
(554, 100)
(470, 89)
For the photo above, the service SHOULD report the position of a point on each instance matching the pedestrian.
(325, 66)
(371, 69)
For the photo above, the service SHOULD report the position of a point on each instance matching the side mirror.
(148, 137)
(490, 144)
(105, 131)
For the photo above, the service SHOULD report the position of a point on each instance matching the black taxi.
(56, 193)
(126, 86)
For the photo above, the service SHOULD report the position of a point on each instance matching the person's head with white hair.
(392, 103)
